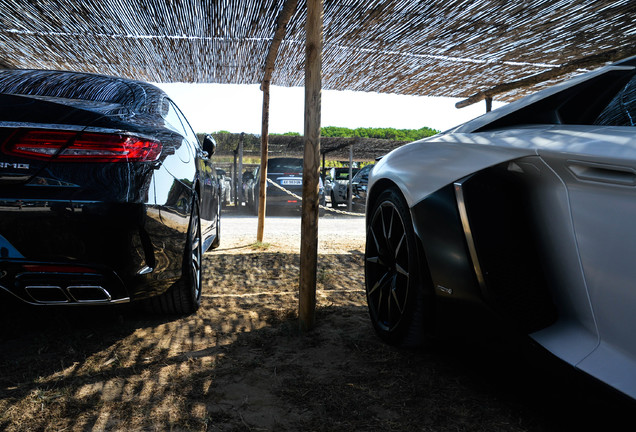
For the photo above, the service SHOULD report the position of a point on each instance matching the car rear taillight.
(69, 146)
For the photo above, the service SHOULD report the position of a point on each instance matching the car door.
(599, 171)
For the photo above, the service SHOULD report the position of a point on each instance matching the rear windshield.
(621, 111)
(139, 96)
(343, 174)
(285, 165)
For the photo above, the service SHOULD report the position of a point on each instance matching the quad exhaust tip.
(52, 294)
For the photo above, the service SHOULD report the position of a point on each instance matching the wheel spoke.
(195, 260)
(378, 284)
(395, 297)
(401, 270)
(388, 235)
(375, 239)
(376, 260)
(399, 246)
(383, 293)
(382, 220)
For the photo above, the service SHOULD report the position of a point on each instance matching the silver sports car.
(529, 209)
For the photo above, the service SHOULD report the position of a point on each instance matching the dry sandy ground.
(240, 363)
(337, 233)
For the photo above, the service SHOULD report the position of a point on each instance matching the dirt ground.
(240, 363)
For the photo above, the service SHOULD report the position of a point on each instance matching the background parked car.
(359, 187)
(337, 185)
(249, 183)
(120, 200)
(529, 210)
(288, 173)
(225, 183)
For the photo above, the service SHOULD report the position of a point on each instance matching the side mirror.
(209, 145)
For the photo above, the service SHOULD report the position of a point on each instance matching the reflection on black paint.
(127, 218)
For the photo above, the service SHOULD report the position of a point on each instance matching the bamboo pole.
(262, 190)
(240, 169)
(311, 167)
(350, 185)
(235, 177)
(281, 24)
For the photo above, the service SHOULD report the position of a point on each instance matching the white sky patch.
(238, 108)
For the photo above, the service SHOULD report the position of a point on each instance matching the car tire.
(217, 239)
(184, 296)
(400, 301)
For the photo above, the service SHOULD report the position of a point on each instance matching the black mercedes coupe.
(106, 195)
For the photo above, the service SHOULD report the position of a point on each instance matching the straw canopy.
(455, 48)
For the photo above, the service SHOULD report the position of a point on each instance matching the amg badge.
(14, 165)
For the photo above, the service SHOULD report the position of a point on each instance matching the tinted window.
(621, 111)
(363, 174)
(285, 165)
(343, 173)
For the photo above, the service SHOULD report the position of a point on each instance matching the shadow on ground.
(239, 364)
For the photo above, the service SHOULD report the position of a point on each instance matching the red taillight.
(67, 146)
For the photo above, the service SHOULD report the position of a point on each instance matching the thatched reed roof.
(434, 47)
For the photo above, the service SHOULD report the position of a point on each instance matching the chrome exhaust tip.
(47, 294)
(56, 295)
(89, 294)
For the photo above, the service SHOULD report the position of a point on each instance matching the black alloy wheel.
(394, 294)
(195, 260)
(184, 296)
(217, 240)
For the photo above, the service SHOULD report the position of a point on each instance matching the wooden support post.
(235, 179)
(240, 169)
(311, 167)
(262, 191)
(289, 8)
(350, 186)
(489, 104)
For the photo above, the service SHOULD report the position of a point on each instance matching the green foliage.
(286, 134)
(379, 133)
(227, 142)
(344, 164)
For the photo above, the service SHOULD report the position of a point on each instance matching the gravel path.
(336, 233)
